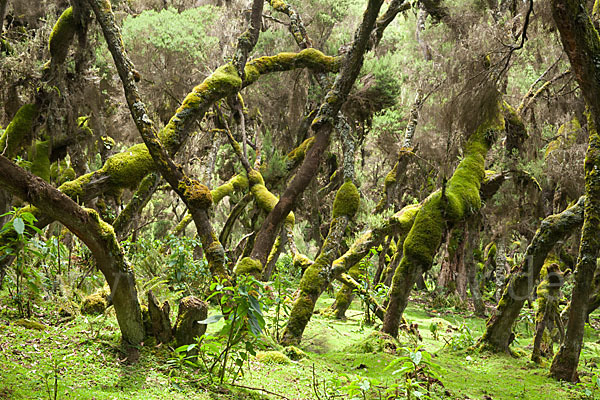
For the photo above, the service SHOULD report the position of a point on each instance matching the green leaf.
(19, 225)
(416, 357)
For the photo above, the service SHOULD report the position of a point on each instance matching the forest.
(299, 199)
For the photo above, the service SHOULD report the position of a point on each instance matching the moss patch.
(40, 164)
(248, 266)
(61, 36)
(294, 353)
(375, 342)
(28, 324)
(347, 200)
(272, 357)
(18, 130)
(95, 303)
(236, 184)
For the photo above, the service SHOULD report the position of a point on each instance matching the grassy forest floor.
(85, 357)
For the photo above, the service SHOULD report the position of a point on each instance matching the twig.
(260, 389)
(514, 48)
(314, 382)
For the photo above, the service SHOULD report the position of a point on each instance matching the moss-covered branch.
(398, 224)
(19, 131)
(61, 36)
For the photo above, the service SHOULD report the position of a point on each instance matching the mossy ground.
(91, 366)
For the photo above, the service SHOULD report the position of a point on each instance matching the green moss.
(278, 5)
(248, 266)
(61, 36)
(18, 130)
(67, 308)
(307, 58)
(265, 200)
(297, 155)
(95, 303)
(375, 342)
(40, 161)
(460, 199)
(75, 188)
(236, 184)
(347, 200)
(196, 193)
(423, 240)
(272, 357)
(491, 251)
(313, 281)
(83, 123)
(255, 178)
(302, 310)
(68, 174)
(390, 178)
(301, 261)
(224, 81)
(129, 167)
(294, 353)
(28, 324)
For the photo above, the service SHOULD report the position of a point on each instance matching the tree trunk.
(315, 278)
(160, 318)
(425, 236)
(191, 311)
(498, 332)
(345, 295)
(322, 126)
(453, 274)
(95, 233)
(472, 241)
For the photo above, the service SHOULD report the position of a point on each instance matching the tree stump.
(159, 316)
(187, 328)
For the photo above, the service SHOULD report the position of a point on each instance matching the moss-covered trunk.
(457, 200)
(582, 44)
(564, 365)
(498, 331)
(345, 295)
(95, 233)
(316, 277)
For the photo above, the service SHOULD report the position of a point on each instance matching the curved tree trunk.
(95, 233)
(322, 126)
(498, 331)
(451, 204)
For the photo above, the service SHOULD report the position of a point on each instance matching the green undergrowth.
(85, 356)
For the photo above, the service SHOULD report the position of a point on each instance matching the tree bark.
(160, 318)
